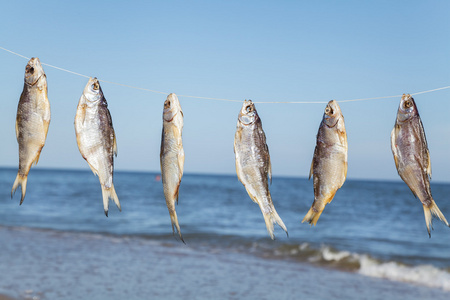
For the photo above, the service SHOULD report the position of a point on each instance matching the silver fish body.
(329, 164)
(412, 157)
(253, 165)
(172, 156)
(32, 122)
(96, 138)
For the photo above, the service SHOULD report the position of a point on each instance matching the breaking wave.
(364, 264)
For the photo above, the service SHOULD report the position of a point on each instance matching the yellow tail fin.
(312, 216)
(22, 180)
(430, 210)
(109, 193)
(271, 218)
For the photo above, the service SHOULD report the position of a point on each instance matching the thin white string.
(65, 70)
(229, 100)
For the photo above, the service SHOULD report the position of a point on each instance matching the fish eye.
(167, 104)
(30, 69)
(249, 109)
(95, 86)
(407, 104)
(328, 110)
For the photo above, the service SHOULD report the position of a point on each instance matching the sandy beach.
(40, 264)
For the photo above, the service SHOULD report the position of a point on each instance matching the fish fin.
(396, 161)
(175, 225)
(94, 170)
(311, 169)
(312, 216)
(22, 180)
(82, 112)
(269, 171)
(393, 144)
(342, 134)
(36, 159)
(17, 128)
(429, 211)
(114, 144)
(177, 191)
(429, 165)
(271, 218)
(180, 172)
(345, 172)
(109, 193)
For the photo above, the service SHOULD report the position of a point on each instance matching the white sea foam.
(427, 275)
(330, 255)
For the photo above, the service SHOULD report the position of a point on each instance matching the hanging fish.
(412, 157)
(172, 156)
(329, 164)
(32, 121)
(253, 166)
(96, 138)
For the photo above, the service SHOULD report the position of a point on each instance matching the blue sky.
(259, 50)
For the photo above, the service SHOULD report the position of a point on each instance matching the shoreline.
(106, 267)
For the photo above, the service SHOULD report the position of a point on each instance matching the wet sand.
(63, 265)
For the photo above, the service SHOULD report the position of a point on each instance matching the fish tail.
(271, 217)
(175, 225)
(22, 180)
(312, 216)
(429, 211)
(109, 193)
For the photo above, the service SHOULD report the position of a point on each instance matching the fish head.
(33, 71)
(248, 114)
(171, 107)
(92, 91)
(332, 113)
(407, 108)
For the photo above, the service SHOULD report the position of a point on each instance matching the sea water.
(59, 245)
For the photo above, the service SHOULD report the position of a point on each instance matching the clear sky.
(259, 50)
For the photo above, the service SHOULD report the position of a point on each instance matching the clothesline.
(228, 100)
